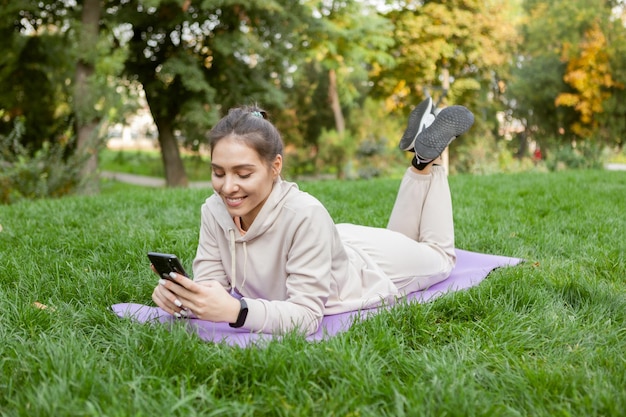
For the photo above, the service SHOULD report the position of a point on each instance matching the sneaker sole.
(449, 123)
(416, 120)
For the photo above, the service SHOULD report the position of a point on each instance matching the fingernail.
(184, 313)
(173, 275)
(177, 315)
(178, 303)
(161, 282)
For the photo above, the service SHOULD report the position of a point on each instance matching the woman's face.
(242, 178)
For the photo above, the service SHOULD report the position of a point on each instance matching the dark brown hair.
(251, 125)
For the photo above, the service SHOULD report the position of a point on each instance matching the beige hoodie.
(291, 266)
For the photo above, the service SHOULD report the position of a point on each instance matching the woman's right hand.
(168, 301)
(183, 297)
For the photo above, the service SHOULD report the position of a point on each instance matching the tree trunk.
(86, 119)
(522, 145)
(335, 105)
(340, 123)
(175, 175)
(445, 155)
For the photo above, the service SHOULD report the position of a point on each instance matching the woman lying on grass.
(279, 250)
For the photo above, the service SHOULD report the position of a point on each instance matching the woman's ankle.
(426, 169)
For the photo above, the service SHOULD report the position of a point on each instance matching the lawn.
(149, 163)
(545, 338)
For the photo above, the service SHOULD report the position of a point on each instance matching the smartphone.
(165, 263)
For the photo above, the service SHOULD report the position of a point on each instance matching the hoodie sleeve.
(207, 264)
(309, 277)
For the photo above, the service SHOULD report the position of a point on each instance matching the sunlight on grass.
(543, 338)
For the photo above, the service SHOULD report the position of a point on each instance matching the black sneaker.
(418, 119)
(449, 123)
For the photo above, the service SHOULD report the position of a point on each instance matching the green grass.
(149, 163)
(545, 338)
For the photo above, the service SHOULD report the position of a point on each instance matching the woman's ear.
(277, 166)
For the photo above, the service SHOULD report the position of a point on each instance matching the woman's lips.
(234, 201)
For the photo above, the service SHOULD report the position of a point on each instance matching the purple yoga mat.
(471, 269)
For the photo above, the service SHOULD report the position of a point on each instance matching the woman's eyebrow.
(241, 166)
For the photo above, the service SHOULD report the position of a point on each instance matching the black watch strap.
(243, 313)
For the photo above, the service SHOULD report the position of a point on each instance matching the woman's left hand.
(207, 300)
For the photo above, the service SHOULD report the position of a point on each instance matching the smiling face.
(241, 178)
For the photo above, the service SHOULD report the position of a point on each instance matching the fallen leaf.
(40, 306)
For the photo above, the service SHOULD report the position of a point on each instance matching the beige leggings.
(416, 250)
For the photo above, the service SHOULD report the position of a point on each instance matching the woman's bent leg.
(423, 210)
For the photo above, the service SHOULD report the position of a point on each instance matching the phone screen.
(165, 263)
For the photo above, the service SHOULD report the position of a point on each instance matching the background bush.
(46, 172)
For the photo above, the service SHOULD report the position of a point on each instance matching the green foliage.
(567, 72)
(612, 119)
(486, 156)
(51, 171)
(348, 38)
(377, 152)
(370, 158)
(617, 157)
(472, 41)
(352, 39)
(195, 59)
(334, 152)
(47, 87)
(585, 155)
(33, 87)
(299, 163)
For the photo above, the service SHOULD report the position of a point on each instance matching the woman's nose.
(230, 184)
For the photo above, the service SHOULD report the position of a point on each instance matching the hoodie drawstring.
(233, 263)
(245, 263)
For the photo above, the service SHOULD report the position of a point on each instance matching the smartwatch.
(243, 313)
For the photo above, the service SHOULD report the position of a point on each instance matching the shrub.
(585, 155)
(335, 151)
(487, 156)
(46, 172)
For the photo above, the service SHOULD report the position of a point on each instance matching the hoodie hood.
(264, 220)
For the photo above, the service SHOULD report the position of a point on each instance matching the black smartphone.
(165, 263)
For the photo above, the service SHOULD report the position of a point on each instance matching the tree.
(196, 58)
(85, 97)
(34, 66)
(469, 40)
(344, 42)
(560, 60)
(589, 75)
(612, 119)
(457, 52)
(56, 75)
(163, 61)
(347, 40)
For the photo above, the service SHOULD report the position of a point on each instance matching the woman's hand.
(206, 301)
